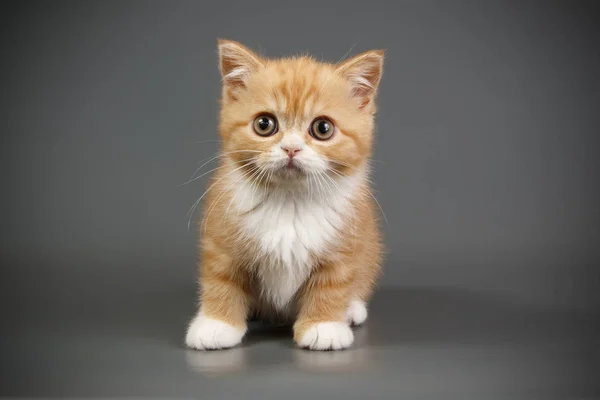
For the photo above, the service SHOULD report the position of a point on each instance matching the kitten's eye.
(265, 125)
(322, 128)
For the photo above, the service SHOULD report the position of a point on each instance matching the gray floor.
(420, 342)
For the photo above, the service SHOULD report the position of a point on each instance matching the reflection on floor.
(441, 342)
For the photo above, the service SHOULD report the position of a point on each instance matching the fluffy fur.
(293, 238)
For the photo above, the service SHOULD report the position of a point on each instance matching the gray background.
(486, 169)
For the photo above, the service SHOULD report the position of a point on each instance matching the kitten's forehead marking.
(298, 88)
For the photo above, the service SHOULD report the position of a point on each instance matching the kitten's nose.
(291, 150)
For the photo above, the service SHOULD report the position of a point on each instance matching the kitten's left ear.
(364, 73)
(236, 63)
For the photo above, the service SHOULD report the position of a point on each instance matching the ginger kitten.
(289, 228)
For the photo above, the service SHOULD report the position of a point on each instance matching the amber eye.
(265, 125)
(322, 128)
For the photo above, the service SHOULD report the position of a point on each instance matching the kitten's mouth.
(292, 165)
(291, 170)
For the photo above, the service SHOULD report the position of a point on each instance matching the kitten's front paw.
(330, 335)
(206, 333)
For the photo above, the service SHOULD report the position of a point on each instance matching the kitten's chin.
(290, 174)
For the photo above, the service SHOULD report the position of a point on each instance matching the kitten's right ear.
(236, 63)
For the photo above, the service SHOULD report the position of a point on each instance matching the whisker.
(328, 185)
(193, 208)
(343, 164)
(369, 192)
(349, 166)
(332, 181)
(254, 179)
(320, 182)
(318, 187)
(212, 170)
(346, 54)
(310, 190)
(250, 175)
(221, 194)
(207, 141)
(221, 154)
(257, 187)
(378, 205)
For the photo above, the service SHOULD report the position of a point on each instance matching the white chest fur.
(291, 226)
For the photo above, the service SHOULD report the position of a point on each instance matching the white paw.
(327, 336)
(356, 313)
(206, 333)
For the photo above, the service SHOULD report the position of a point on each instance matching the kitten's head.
(289, 119)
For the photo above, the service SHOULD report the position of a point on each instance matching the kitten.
(289, 229)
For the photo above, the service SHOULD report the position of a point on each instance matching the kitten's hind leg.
(356, 314)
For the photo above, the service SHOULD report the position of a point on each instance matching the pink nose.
(291, 151)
